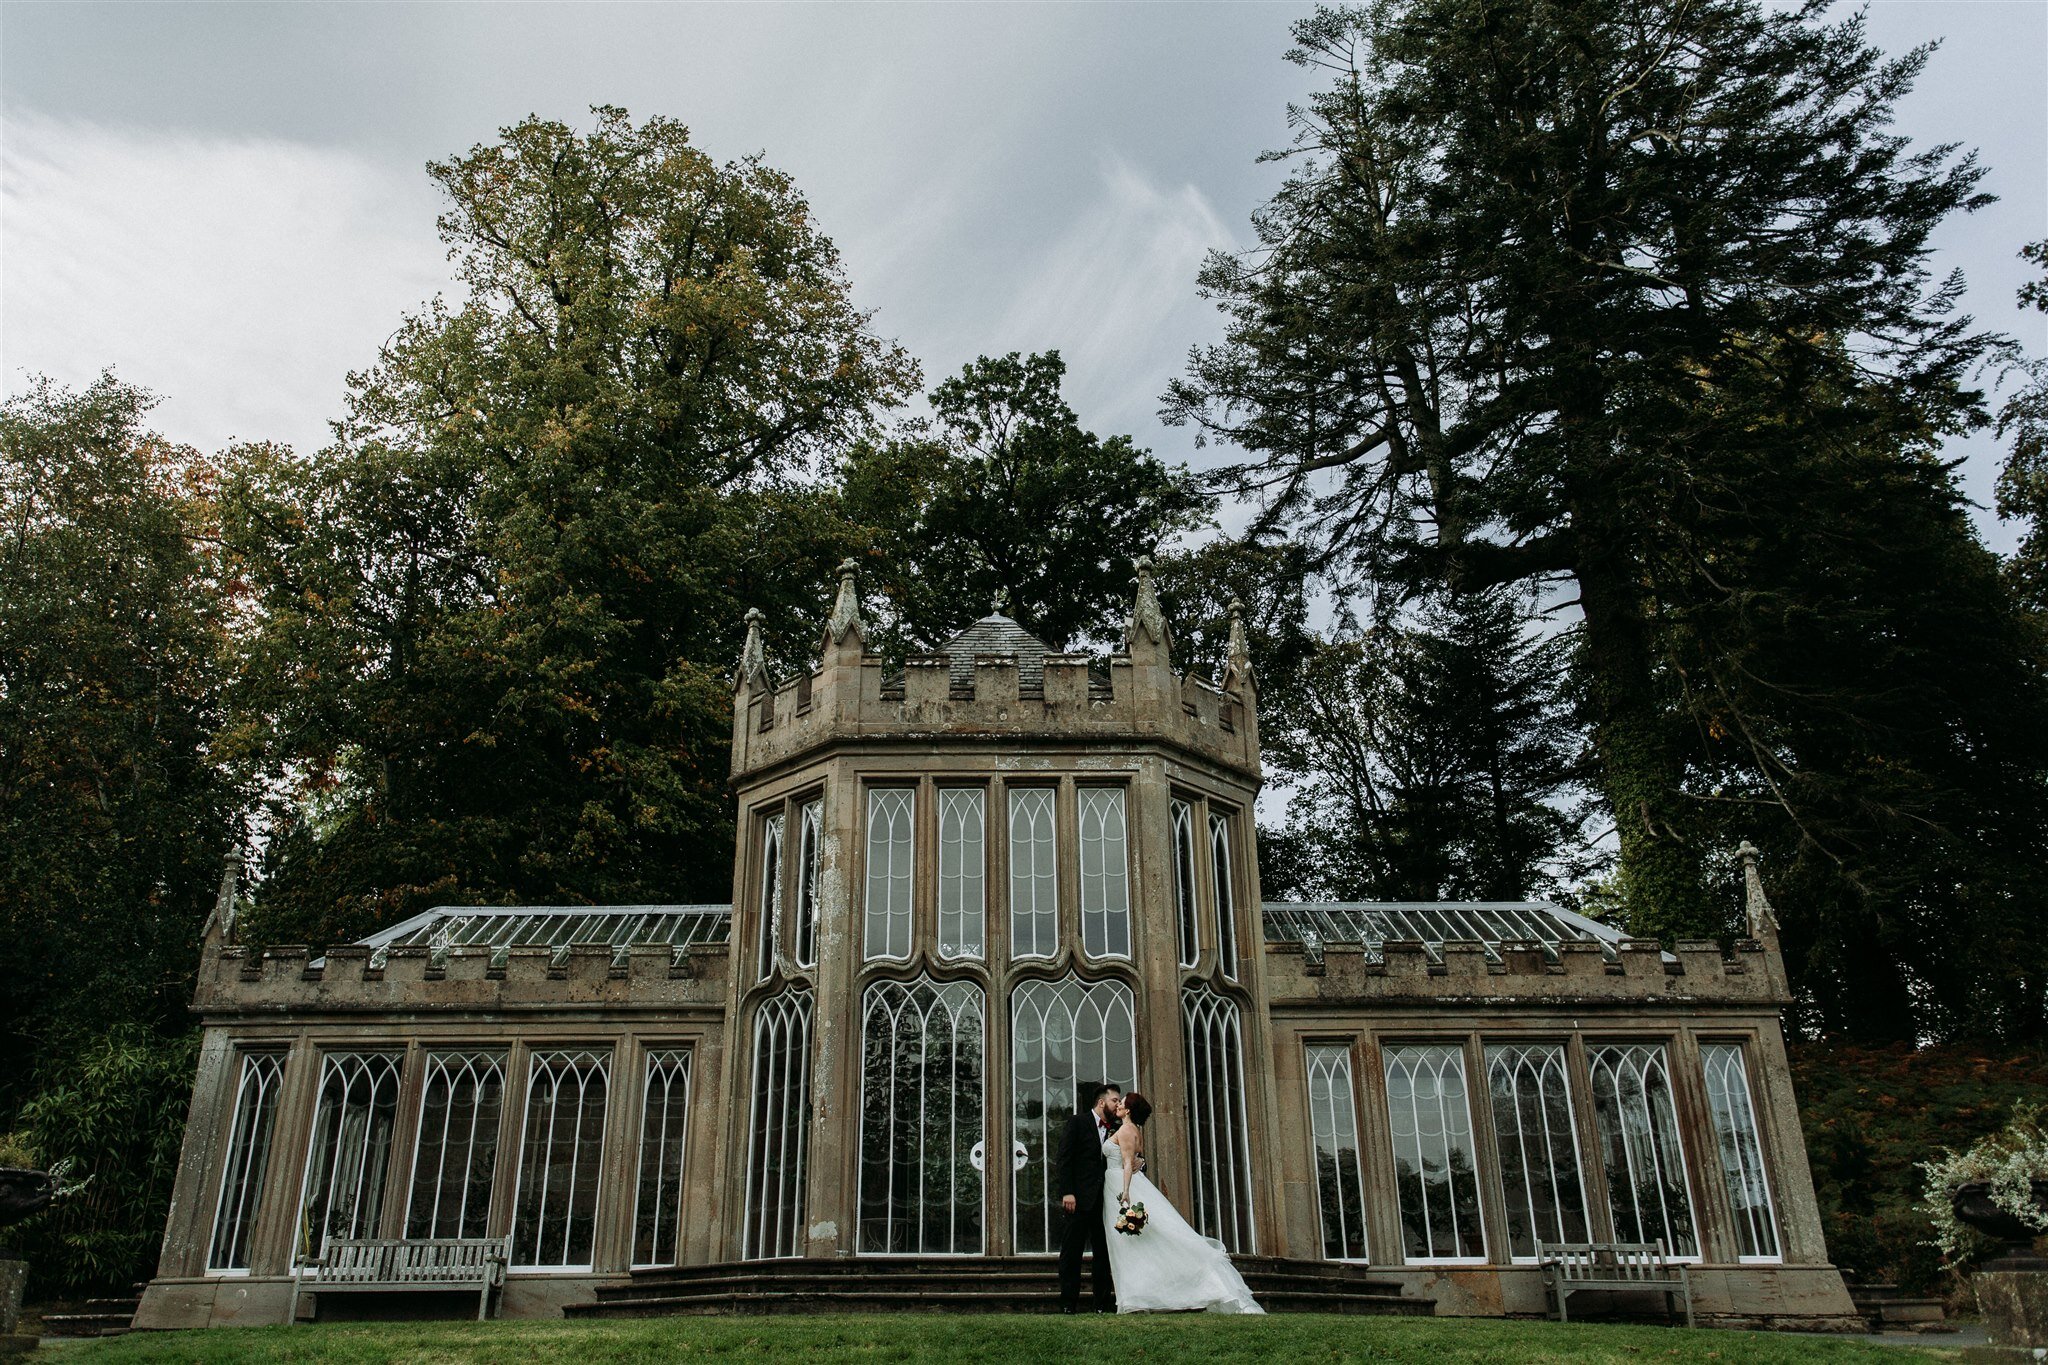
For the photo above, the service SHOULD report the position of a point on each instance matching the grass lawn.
(1108, 1340)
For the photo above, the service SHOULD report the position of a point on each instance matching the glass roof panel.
(1490, 924)
(557, 926)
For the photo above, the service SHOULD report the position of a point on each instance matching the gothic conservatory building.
(962, 892)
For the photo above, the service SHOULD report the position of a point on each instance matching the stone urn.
(22, 1193)
(2012, 1289)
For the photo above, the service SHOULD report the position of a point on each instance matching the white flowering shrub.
(2009, 1161)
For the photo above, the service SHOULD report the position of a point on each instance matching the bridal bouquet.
(1130, 1218)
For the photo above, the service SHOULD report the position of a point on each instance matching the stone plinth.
(13, 1280)
(2014, 1305)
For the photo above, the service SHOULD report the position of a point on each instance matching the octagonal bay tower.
(962, 892)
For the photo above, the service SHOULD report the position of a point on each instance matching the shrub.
(2009, 1161)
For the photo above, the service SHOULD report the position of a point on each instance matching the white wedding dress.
(1169, 1267)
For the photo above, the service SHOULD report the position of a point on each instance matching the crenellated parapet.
(1637, 972)
(1017, 693)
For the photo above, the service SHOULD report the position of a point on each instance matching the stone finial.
(845, 616)
(1240, 660)
(220, 924)
(1148, 622)
(1757, 911)
(753, 656)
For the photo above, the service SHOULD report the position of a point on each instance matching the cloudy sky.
(226, 202)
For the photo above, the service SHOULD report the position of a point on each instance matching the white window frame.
(921, 1000)
(1187, 910)
(1068, 1000)
(970, 875)
(448, 1063)
(1223, 869)
(307, 1240)
(1737, 1085)
(1044, 830)
(890, 867)
(1500, 1047)
(769, 903)
(1455, 1050)
(810, 851)
(265, 1068)
(1662, 1054)
(1110, 881)
(782, 1031)
(1219, 1135)
(1332, 1063)
(675, 1067)
(569, 1056)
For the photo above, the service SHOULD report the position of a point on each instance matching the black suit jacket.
(1079, 1164)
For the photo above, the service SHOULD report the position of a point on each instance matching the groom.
(1079, 1167)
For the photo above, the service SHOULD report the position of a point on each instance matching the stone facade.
(960, 893)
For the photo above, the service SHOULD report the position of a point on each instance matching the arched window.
(1646, 1185)
(891, 847)
(1186, 916)
(770, 928)
(1105, 874)
(241, 1183)
(1217, 1133)
(1742, 1157)
(921, 1118)
(1223, 867)
(1034, 897)
(1434, 1168)
(1539, 1147)
(963, 859)
(1063, 1035)
(1333, 1125)
(779, 1134)
(810, 831)
(664, 1121)
(456, 1158)
(554, 1219)
(348, 1166)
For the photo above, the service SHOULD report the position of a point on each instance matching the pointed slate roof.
(997, 634)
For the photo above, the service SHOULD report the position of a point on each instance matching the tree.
(115, 814)
(1002, 496)
(499, 616)
(1531, 259)
(2023, 483)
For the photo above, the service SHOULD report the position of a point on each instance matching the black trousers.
(1084, 1232)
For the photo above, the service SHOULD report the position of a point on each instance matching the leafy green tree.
(2023, 483)
(1525, 269)
(115, 813)
(1002, 496)
(498, 617)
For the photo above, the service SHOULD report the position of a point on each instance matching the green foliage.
(1003, 496)
(2009, 1162)
(1872, 1115)
(2023, 483)
(115, 810)
(15, 1151)
(117, 1112)
(497, 619)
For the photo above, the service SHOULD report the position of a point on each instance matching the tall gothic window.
(348, 1167)
(810, 832)
(1742, 1157)
(891, 850)
(921, 1138)
(771, 894)
(456, 1158)
(1105, 874)
(1185, 915)
(1034, 899)
(1646, 1184)
(1063, 1035)
(664, 1117)
(554, 1221)
(241, 1183)
(1217, 1134)
(1539, 1147)
(779, 1135)
(1226, 893)
(1333, 1124)
(1434, 1169)
(963, 861)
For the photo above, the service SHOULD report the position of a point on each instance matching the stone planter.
(2012, 1290)
(22, 1193)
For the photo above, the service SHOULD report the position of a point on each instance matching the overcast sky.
(226, 202)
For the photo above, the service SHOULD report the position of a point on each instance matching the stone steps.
(1890, 1309)
(98, 1318)
(951, 1285)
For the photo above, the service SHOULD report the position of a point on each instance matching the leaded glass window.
(1434, 1168)
(456, 1158)
(241, 1182)
(1333, 1126)
(921, 1118)
(348, 1166)
(963, 876)
(1742, 1157)
(810, 836)
(780, 1131)
(1646, 1183)
(1539, 1146)
(1105, 874)
(1224, 867)
(1034, 899)
(554, 1222)
(664, 1118)
(1064, 1035)
(891, 847)
(769, 929)
(1186, 916)
(1217, 1134)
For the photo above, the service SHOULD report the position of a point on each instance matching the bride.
(1169, 1266)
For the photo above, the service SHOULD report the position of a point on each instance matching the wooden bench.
(1571, 1266)
(362, 1265)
